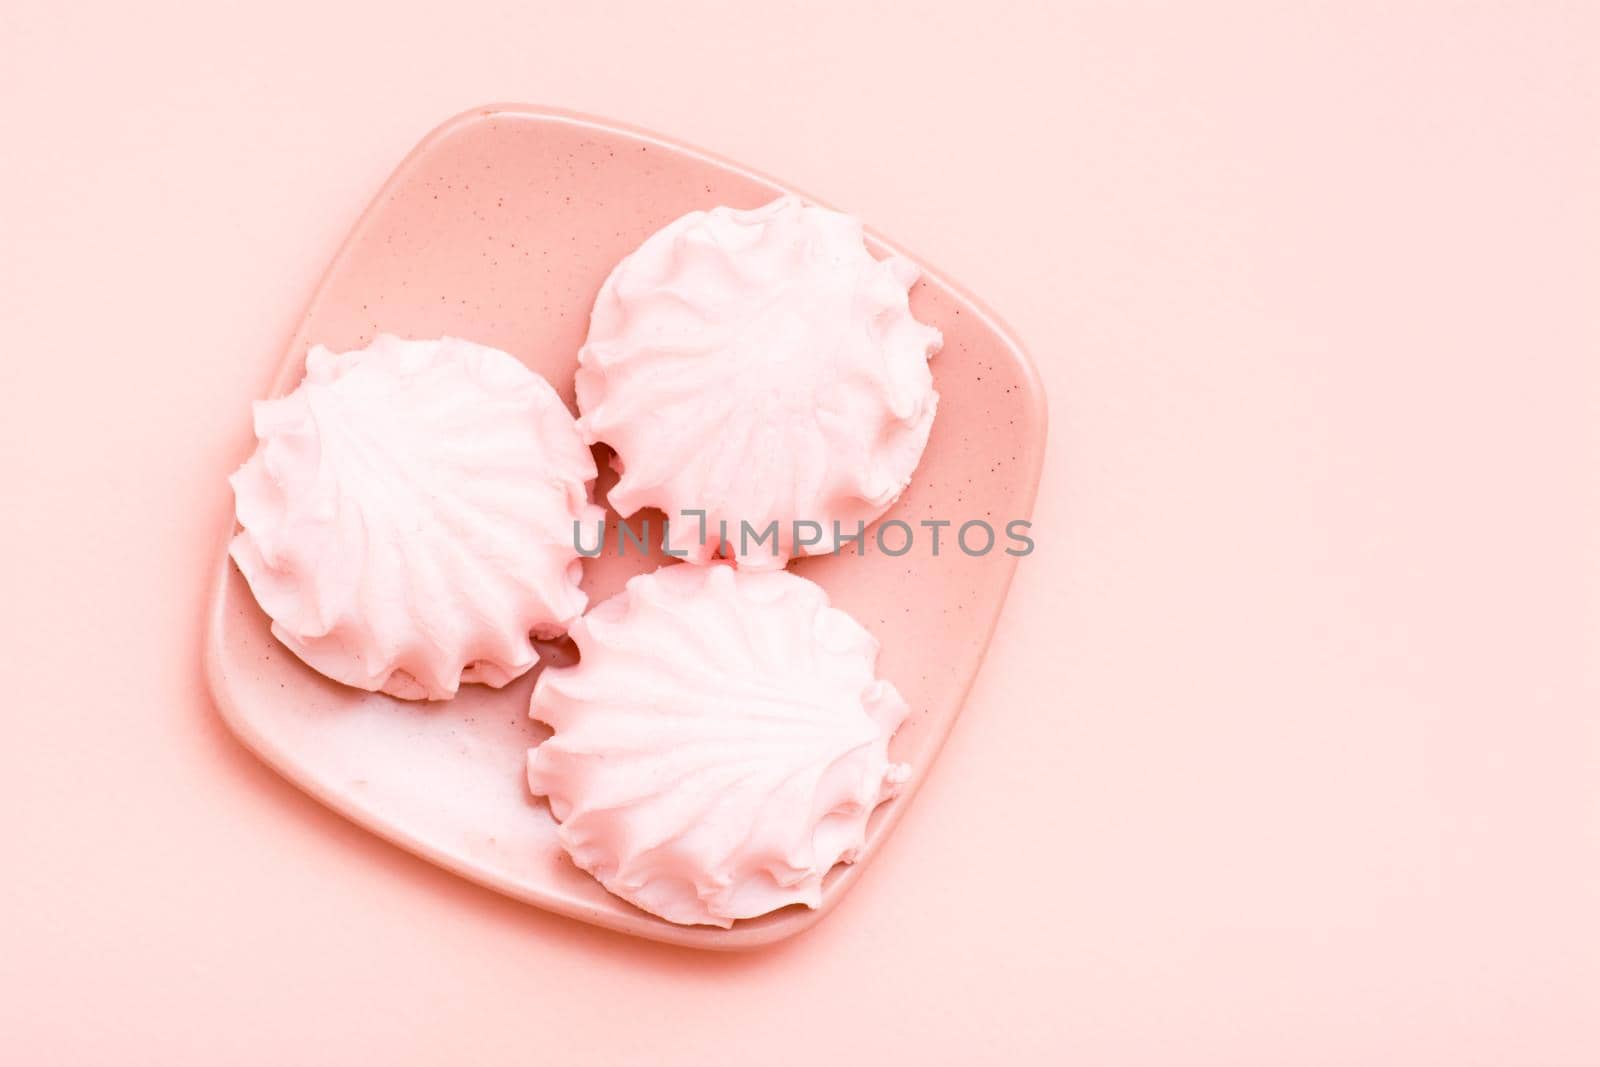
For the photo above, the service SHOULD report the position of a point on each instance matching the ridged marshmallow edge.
(407, 515)
(720, 744)
(760, 366)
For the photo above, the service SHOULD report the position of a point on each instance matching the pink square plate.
(500, 227)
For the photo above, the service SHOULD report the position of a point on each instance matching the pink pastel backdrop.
(1288, 748)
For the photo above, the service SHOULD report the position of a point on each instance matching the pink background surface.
(1288, 748)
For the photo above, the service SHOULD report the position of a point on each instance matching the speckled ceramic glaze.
(500, 227)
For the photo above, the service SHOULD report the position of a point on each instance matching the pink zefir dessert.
(760, 378)
(720, 744)
(407, 516)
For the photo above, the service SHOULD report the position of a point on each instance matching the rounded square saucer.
(500, 227)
